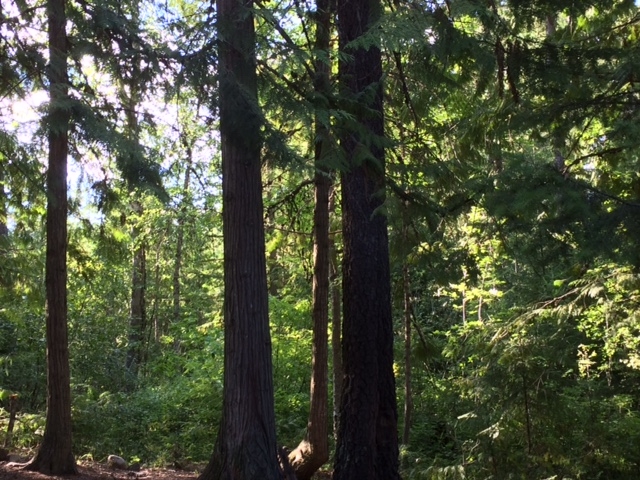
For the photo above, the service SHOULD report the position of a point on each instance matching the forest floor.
(99, 471)
(95, 471)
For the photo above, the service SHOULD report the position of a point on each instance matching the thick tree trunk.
(313, 450)
(55, 455)
(246, 444)
(367, 445)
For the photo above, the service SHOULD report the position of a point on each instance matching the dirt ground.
(95, 471)
(98, 471)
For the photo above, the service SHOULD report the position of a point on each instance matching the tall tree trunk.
(313, 450)
(131, 97)
(180, 239)
(4, 231)
(138, 311)
(336, 327)
(55, 455)
(179, 245)
(158, 292)
(408, 394)
(367, 446)
(246, 444)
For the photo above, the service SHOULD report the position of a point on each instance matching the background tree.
(55, 454)
(130, 96)
(313, 450)
(246, 444)
(367, 444)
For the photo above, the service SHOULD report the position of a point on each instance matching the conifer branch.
(288, 197)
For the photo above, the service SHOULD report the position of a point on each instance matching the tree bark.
(160, 327)
(336, 328)
(4, 231)
(138, 311)
(180, 241)
(131, 98)
(367, 446)
(313, 450)
(54, 456)
(246, 444)
(408, 394)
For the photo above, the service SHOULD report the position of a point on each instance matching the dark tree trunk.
(313, 450)
(4, 232)
(131, 97)
(408, 395)
(246, 444)
(336, 328)
(180, 239)
(55, 455)
(367, 446)
(138, 311)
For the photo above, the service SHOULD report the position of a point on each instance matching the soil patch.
(95, 471)
(99, 471)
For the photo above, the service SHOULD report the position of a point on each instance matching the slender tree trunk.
(336, 327)
(313, 450)
(408, 394)
(158, 292)
(527, 413)
(4, 231)
(557, 138)
(246, 444)
(367, 446)
(13, 412)
(138, 311)
(180, 240)
(54, 456)
(131, 98)
(179, 246)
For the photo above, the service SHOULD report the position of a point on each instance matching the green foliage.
(160, 425)
(27, 431)
(291, 339)
(513, 200)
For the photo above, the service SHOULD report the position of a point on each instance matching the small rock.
(115, 462)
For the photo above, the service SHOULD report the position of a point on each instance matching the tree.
(4, 229)
(246, 443)
(138, 310)
(367, 445)
(55, 455)
(130, 93)
(336, 324)
(313, 450)
(187, 143)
